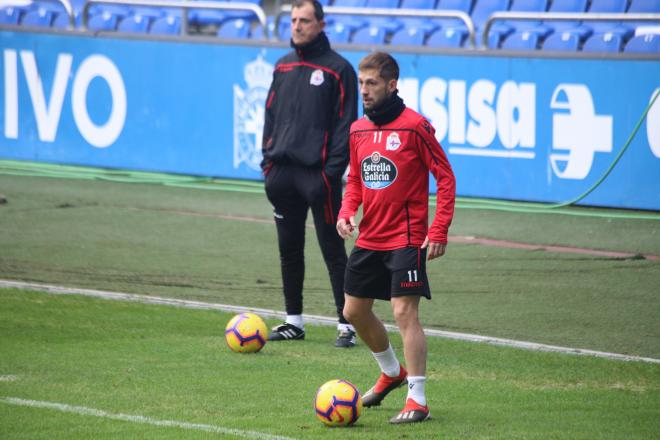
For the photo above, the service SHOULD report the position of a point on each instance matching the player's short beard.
(379, 104)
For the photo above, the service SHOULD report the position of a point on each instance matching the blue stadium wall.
(521, 128)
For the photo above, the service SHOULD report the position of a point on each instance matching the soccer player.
(392, 151)
(311, 104)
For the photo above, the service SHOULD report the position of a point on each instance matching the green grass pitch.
(220, 247)
(168, 364)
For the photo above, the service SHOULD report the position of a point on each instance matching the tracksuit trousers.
(292, 190)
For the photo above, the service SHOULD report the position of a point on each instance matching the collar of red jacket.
(387, 111)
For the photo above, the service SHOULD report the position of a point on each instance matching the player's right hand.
(344, 229)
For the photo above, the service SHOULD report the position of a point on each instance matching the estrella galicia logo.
(378, 172)
(249, 113)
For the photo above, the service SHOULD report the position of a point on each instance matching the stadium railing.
(552, 16)
(385, 12)
(185, 5)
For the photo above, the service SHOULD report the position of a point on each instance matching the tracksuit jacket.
(310, 107)
(389, 176)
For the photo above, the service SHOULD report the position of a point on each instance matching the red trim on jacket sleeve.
(268, 168)
(270, 99)
(329, 212)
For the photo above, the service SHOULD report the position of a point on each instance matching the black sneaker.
(345, 339)
(285, 332)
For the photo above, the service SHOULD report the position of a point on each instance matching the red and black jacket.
(389, 177)
(311, 104)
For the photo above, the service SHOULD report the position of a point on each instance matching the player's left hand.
(434, 250)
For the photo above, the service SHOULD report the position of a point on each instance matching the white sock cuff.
(416, 379)
(388, 362)
(389, 350)
(416, 389)
(342, 327)
(296, 320)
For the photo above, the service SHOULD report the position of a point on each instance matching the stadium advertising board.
(521, 128)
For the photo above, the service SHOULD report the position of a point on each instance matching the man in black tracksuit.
(311, 104)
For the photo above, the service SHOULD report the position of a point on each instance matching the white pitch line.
(82, 410)
(316, 319)
(8, 378)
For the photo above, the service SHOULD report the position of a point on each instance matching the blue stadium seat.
(337, 33)
(136, 24)
(284, 27)
(446, 38)
(453, 5)
(350, 3)
(78, 5)
(61, 20)
(167, 25)
(46, 13)
(53, 7)
(648, 43)
(246, 15)
(285, 34)
(369, 35)
(605, 27)
(352, 23)
(388, 24)
(642, 7)
(607, 42)
(485, 8)
(203, 17)
(11, 15)
(105, 17)
(501, 29)
(257, 32)
(549, 26)
(521, 40)
(38, 17)
(104, 21)
(423, 24)
(482, 10)
(527, 6)
(408, 37)
(172, 12)
(119, 11)
(149, 11)
(562, 42)
(236, 28)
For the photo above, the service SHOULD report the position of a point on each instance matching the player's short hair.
(318, 7)
(386, 65)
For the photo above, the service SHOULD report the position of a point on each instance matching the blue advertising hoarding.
(520, 128)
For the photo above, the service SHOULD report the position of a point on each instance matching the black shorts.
(387, 274)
